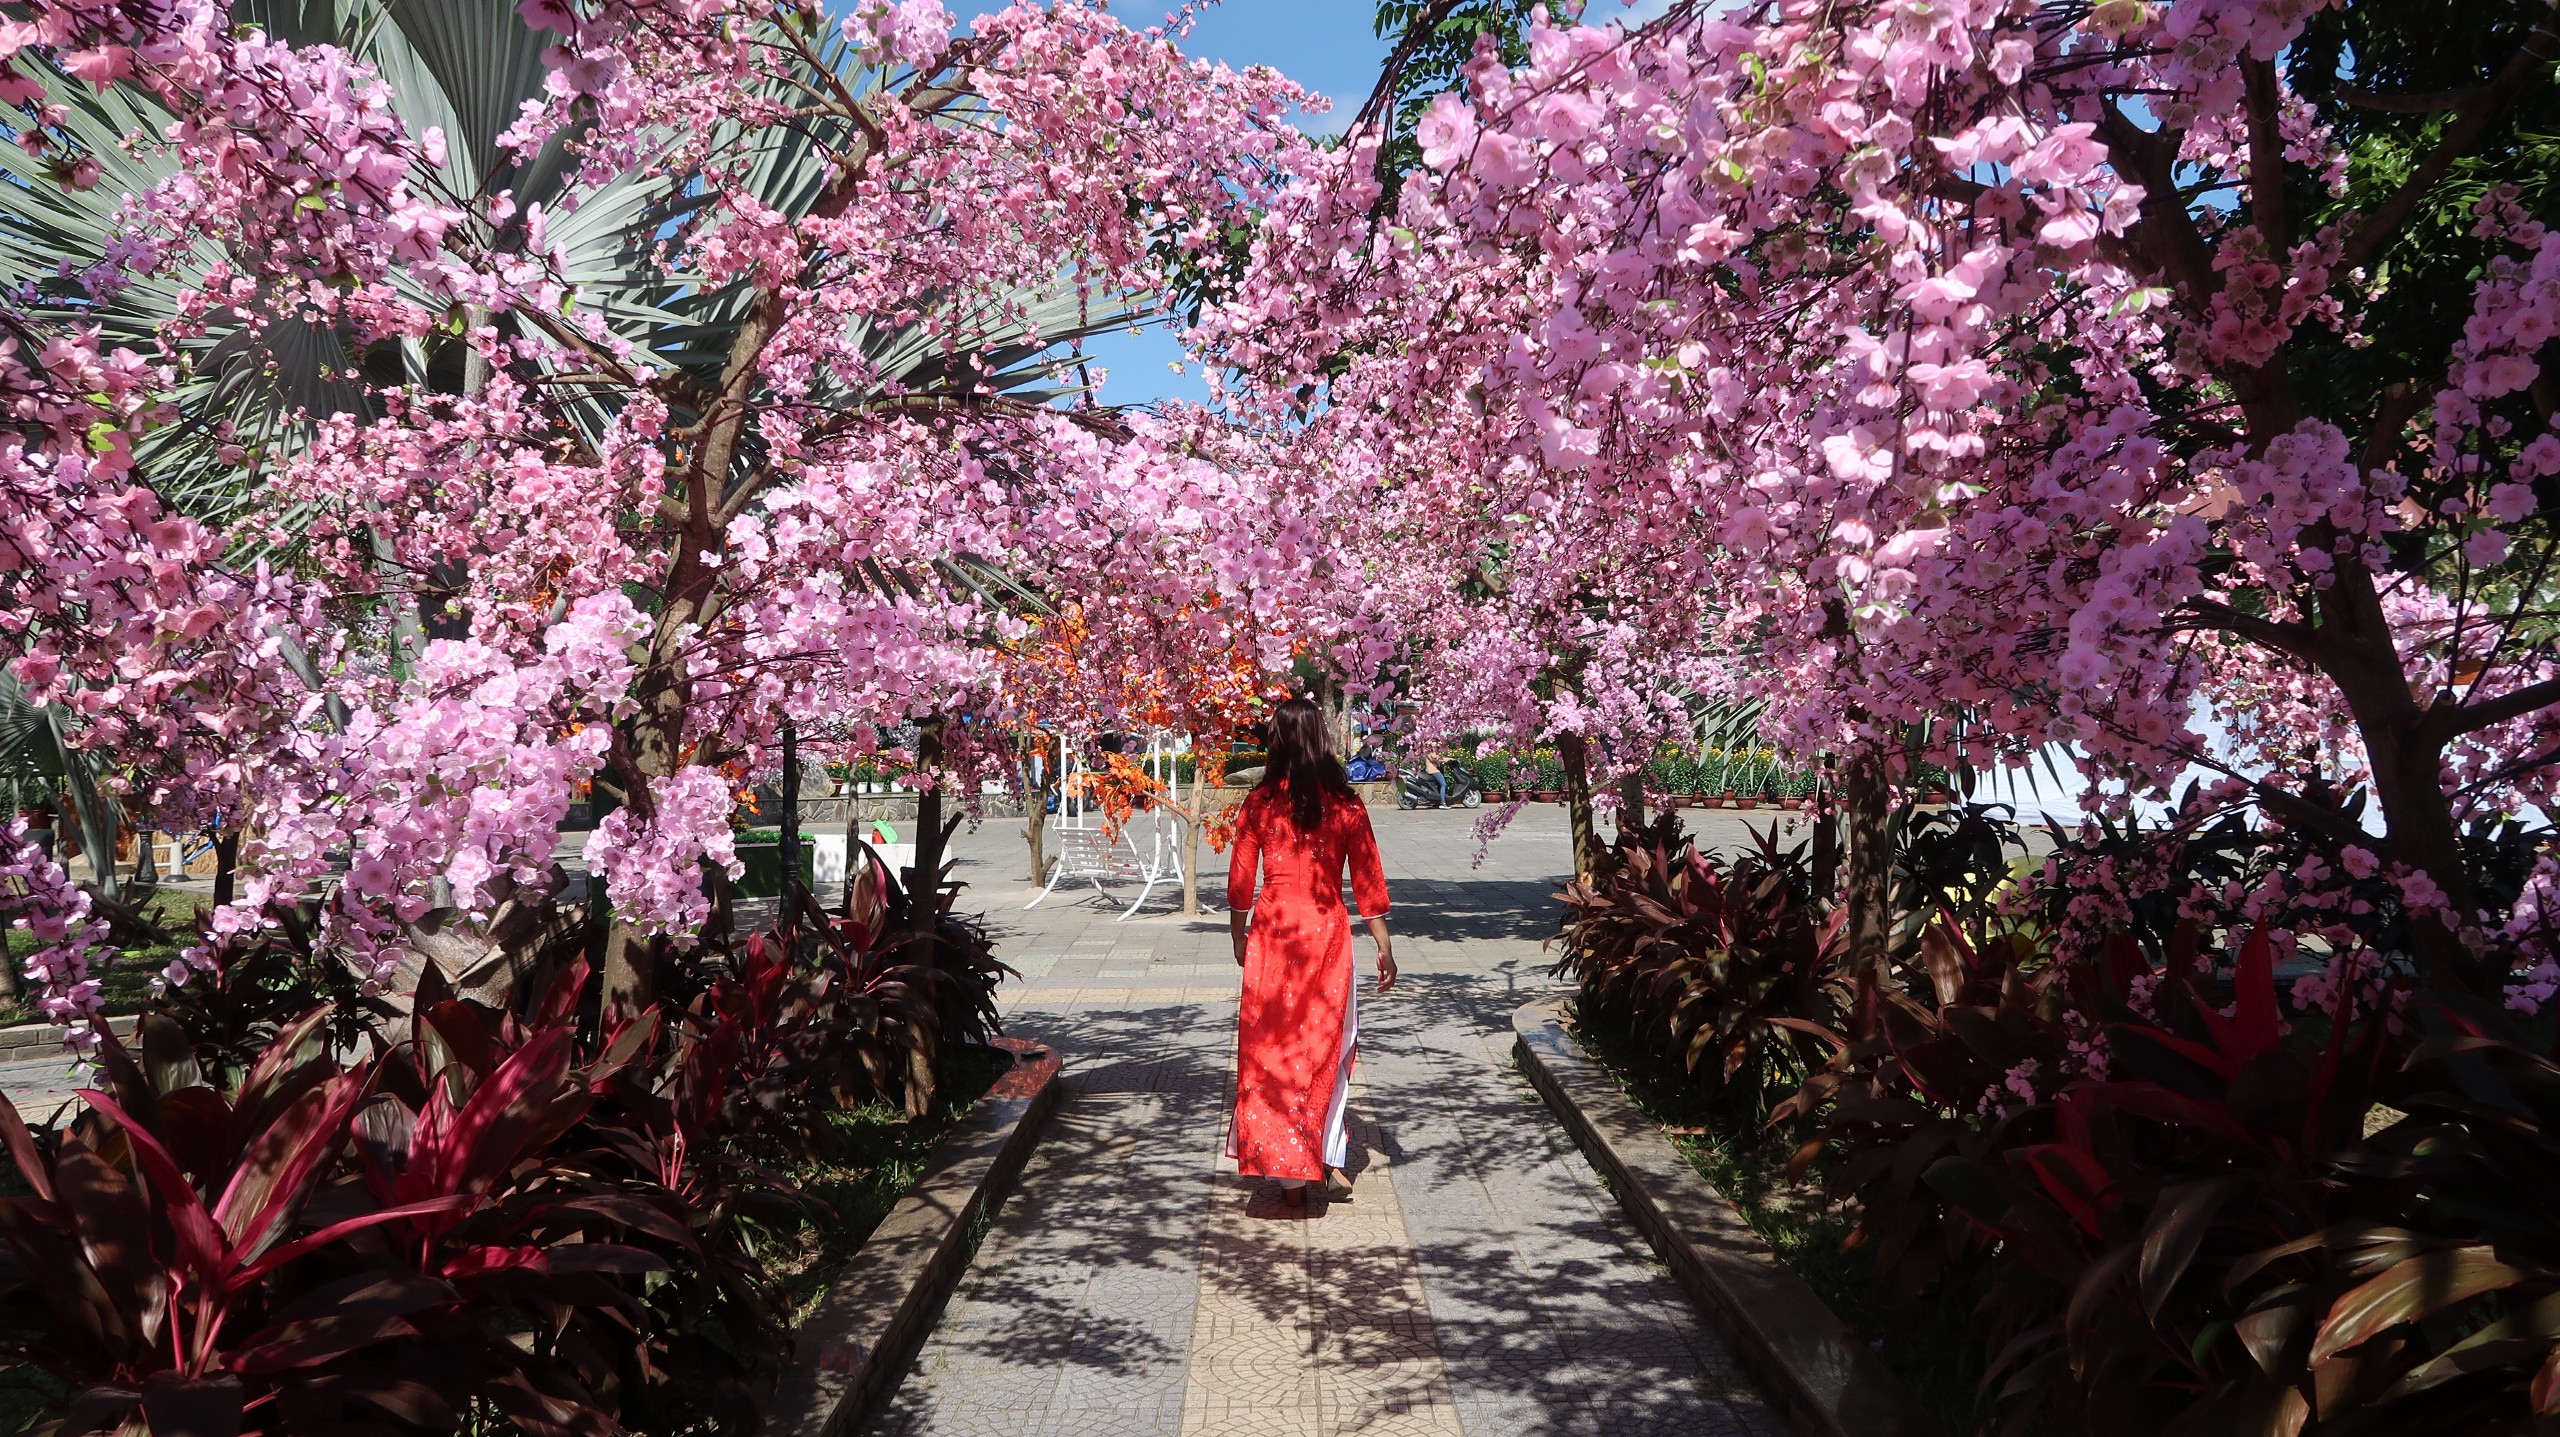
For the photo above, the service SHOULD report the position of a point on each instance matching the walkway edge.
(872, 1318)
(1816, 1371)
(17, 1039)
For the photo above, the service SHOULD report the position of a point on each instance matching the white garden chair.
(1086, 850)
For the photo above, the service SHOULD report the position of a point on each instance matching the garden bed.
(872, 1155)
(867, 1161)
(1927, 1345)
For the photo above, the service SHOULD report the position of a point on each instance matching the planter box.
(1547, 795)
(847, 1358)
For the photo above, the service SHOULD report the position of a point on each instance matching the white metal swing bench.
(1086, 849)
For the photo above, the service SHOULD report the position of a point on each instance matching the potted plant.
(1550, 778)
(1671, 773)
(1493, 775)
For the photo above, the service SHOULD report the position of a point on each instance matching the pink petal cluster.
(38, 899)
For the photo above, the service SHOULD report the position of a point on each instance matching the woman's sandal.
(1337, 1185)
(1293, 1197)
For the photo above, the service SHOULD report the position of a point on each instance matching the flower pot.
(1548, 795)
(1938, 795)
(1743, 800)
(1792, 805)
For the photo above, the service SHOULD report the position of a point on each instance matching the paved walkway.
(1480, 1283)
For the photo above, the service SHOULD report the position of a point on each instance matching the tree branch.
(2450, 723)
(2400, 403)
(2301, 812)
(2470, 118)
(2298, 640)
(2426, 104)
(2165, 234)
(2266, 156)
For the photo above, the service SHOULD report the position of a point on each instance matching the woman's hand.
(1386, 953)
(1235, 930)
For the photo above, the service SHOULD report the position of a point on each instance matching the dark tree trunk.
(1574, 754)
(1866, 810)
(924, 880)
(226, 865)
(1035, 810)
(1826, 842)
(787, 848)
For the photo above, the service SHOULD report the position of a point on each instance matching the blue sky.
(1328, 46)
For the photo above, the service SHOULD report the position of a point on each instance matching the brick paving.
(1480, 1283)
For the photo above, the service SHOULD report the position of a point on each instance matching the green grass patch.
(866, 1161)
(1929, 1345)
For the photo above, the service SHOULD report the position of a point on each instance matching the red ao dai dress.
(1299, 1022)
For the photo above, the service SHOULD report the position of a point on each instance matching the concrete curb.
(26, 1040)
(856, 1344)
(1816, 1371)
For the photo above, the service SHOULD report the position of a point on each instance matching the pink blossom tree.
(815, 478)
(1973, 357)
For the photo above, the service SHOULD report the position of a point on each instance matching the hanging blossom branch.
(38, 899)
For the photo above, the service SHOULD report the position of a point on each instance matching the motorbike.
(1449, 788)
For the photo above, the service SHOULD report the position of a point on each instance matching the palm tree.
(248, 396)
(465, 67)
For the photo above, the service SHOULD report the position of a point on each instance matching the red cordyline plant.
(1719, 965)
(384, 1243)
(2201, 1207)
(493, 1217)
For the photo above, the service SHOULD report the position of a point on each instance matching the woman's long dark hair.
(1303, 769)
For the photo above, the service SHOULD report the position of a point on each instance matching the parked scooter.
(1446, 788)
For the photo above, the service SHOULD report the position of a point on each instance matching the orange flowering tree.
(1118, 664)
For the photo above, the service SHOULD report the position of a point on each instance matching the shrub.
(1550, 770)
(319, 1221)
(2153, 1167)
(389, 1243)
(1672, 771)
(2186, 1225)
(1716, 965)
(1714, 772)
(1494, 770)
